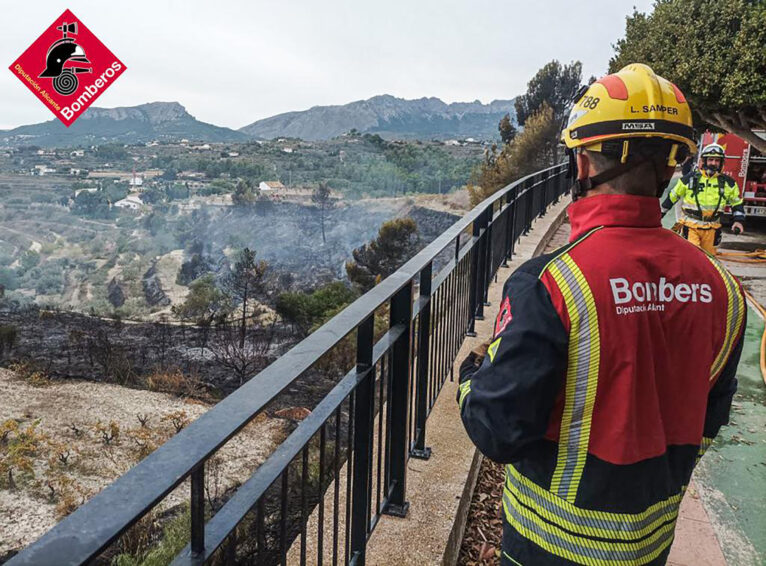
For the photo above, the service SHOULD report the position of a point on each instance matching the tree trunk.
(321, 218)
(728, 123)
(204, 326)
(244, 320)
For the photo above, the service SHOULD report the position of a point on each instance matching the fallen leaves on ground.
(483, 536)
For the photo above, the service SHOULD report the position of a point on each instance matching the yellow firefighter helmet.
(632, 103)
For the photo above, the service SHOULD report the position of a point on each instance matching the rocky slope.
(386, 115)
(163, 121)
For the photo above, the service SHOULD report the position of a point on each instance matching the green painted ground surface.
(732, 475)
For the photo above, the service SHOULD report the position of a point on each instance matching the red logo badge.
(67, 68)
(503, 317)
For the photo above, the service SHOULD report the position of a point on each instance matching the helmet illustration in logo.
(65, 59)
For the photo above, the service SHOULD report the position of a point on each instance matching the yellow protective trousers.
(701, 236)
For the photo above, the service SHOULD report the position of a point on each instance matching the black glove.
(468, 366)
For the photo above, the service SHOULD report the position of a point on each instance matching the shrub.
(309, 310)
(18, 449)
(28, 371)
(175, 382)
(68, 493)
(108, 432)
(175, 535)
(179, 419)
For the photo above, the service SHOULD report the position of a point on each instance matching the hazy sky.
(233, 62)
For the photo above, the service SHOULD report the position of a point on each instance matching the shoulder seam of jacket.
(566, 249)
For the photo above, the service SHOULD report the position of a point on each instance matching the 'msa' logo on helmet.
(67, 68)
(637, 126)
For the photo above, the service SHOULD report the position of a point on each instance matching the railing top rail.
(96, 524)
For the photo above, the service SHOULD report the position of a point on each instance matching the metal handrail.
(95, 525)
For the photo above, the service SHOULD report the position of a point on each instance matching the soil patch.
(72, 418)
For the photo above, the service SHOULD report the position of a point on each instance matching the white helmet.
(712, 150)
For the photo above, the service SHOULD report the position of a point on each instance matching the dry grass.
(72, 438)
(176, 382)
(28, 371)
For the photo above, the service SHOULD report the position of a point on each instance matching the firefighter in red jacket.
(584, 392)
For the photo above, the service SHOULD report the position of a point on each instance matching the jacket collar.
(627, 211)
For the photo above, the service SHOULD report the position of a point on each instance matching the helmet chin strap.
(581, 186)
(660, 183)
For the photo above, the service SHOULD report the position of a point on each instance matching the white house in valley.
(270, 186)
(130, 202)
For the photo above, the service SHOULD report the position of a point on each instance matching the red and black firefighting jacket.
(611, 370)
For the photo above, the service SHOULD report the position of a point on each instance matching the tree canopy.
(507, 129)
(554, 84)
(204, 302)
(714, 51)
(397, 241)
(541, 110)
(244, 195)
(533, 149)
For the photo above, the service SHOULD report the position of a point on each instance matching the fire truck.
(746, 166)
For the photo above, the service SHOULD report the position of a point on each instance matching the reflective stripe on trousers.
(586, 536)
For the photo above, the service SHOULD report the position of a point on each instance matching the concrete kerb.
(440, 489)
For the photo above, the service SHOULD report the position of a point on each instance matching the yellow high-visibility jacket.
(704, 198)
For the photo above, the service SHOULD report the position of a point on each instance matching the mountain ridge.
(389, 116)
(164, 121)
(386, 115)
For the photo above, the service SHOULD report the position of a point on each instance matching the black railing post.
(544, 200)
(420, 450)
(507, 243)
(198, 510)
(528, 196)
(473, 277)
(481, 275)
(512, 222)
(488, 245)
(521, 205)
(401, 313)
(363, 428)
